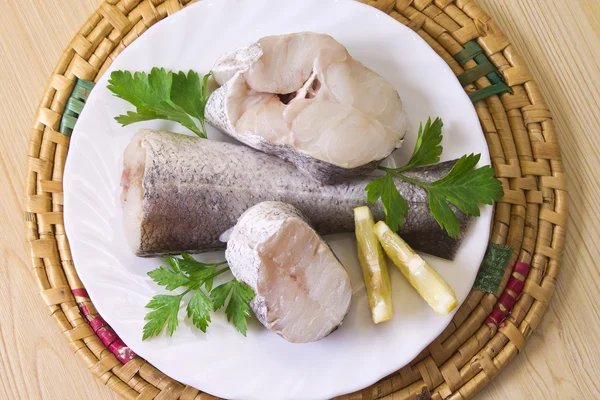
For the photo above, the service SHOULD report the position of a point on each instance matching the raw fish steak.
(302, 290)
(303, 98)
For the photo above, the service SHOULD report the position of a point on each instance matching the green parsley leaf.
(189, 264)
(192, 274)
(220, 293)
(237, 309)
(134, 88)
(173, 262)
(209, 281)
(204, 100)
(199, 272)
(444, 215)
(161, 95)
(375, 189)
(199, 309)
(428, 149)
(140, 115)
(186, 93)
(169, 278)
(204, 276)
(464, 187)
(166, 311)
(394, 205)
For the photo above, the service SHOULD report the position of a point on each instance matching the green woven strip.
(498, 87)
(472, 51)
(492, 270)
(74, 106)
(481, 70)
(489, 91)
(495, 79)
(82, 89)
(67, 124)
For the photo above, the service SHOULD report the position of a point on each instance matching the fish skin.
(232, 63)
(246, 251)
(196, 189)
(244, 76)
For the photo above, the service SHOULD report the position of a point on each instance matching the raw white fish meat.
(304, 98)
(302, 290)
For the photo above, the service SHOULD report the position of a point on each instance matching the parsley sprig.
(186, 272)
(162, 95)
(464, 187)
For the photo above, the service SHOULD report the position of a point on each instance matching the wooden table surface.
(560, 40)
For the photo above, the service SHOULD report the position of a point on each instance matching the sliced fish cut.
(303, 98)
(302, 290)
(181, 193)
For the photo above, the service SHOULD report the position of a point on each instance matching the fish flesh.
(180, 193)
(302, 290)
(302, 97)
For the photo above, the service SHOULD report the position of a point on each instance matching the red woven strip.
(515, 285)
(121, 351)
(496, 317)
(507, 300)
(97, 322)
(80, 293)
(107, 335)
(104, 332)
(84, 309)
(522, 268)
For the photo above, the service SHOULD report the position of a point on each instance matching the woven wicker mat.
(488, 331)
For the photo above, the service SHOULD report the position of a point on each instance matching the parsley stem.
(219, 272)
(203, 134)
(396, 170)
(396, 173)
(198, 132)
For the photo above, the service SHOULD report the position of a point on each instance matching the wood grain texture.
(35, 362)
(560, 39)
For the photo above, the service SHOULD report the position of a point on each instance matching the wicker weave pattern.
(531, 217)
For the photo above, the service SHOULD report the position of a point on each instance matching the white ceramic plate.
(264, 366)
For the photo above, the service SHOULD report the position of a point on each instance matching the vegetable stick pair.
(429, 284)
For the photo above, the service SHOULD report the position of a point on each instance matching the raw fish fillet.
(302, 290)
(303, 98)
(180, 193)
